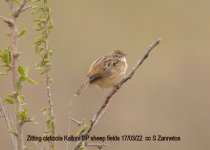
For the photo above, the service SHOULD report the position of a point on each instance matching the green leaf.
(31, 80)
(50, 52)
(19, 83)
(82, 129)
(20, 99)
(5, 56)
(21, 33)
(50, 27)
(26, 71)
(8, 34)
(17, 2)
(23, 115)
(50, 122)
(21, 70)
(38, 49)
(9, 100)
(3, 73)
(82, 148)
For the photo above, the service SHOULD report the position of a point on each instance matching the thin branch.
(19, 144)
(28, 7)
(108, 97)
(8, 122)
(7, 20)
(98, 145)
(69, 122)
(79, 123)
(127, 77)
(20, 8)
(48, 79)
(14, 72)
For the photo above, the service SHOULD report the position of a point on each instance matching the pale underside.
(113, 76)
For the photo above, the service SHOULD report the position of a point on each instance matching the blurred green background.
(168, 95)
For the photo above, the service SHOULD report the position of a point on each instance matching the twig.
(20, 8)
(69, 122)
(127, 77)
(8, 122)
(6, 20)
(28, 7)
(98, 145)
(108, 97)
(79, 123)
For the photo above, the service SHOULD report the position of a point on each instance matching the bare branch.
(127, 77)
(7, 20)
(28, 7)
(8, 122)
(98, 145)
(20, 8)
(108, 97)
(69, 121)
(79, 123)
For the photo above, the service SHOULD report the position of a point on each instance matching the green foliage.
(21, 33)
(21, 99)
(23, 71)
(5, 58)
(44, 25)
(23, 115)
(50, 125)
(82, 148)
(17, 2)
(82, 129)
(9, 100)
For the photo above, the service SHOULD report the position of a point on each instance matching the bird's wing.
(100, 68)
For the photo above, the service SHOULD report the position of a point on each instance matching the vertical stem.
(15, 54)
(48, 79)
(69, 122)
(14, 71)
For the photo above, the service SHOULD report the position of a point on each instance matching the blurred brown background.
(168, 95)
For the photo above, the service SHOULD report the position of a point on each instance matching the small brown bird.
(106, 71)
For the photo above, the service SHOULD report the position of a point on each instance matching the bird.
(106, 71)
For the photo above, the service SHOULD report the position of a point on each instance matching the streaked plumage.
(106, 71)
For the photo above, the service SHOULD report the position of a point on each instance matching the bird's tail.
(82, 88)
